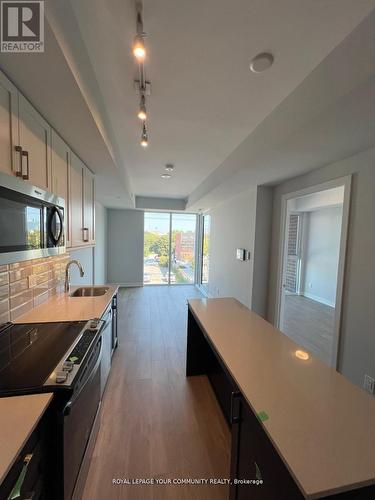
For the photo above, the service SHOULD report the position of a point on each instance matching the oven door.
(79, 417)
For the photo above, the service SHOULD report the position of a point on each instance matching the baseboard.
(127, 285)
(318, 299)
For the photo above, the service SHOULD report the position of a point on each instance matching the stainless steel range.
(63, 358)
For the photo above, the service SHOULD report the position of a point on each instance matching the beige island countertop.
(63, 307)
(19, 415)
(322, 425)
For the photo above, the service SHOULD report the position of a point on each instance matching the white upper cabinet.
(76, 200)
(31, 150)
(60, 177)
(88, 206)
(35, 141)
(10, 160)
(82, 203)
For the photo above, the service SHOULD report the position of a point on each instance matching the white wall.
(357, 346)
(261, 254)
(125, 247)
(234, 225)
(321, 254)
(101, 241)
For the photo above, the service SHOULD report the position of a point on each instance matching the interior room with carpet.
(187, 281)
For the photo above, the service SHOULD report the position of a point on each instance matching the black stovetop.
(29, 353)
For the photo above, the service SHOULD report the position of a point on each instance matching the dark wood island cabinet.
(287, 440)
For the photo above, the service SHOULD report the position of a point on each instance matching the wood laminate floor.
(310, 324)
(156, 423)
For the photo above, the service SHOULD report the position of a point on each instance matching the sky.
(159, 222)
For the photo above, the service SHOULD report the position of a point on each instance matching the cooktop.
(29, 353)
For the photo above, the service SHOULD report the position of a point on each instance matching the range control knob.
(94, 324)
(68, 366)
(61, 377)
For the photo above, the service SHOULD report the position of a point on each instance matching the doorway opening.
(169, 248)
(312, 264)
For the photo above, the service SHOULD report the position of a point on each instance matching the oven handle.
(16, 491)
(69, 404)
(56, 211)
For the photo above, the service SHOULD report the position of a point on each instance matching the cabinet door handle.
(26, 155)
(235, 407)
(86, 234)
(16, 491)
(18, 149)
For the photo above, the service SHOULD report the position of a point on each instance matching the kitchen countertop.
(322, 425)
(19, 415)
(62, 307)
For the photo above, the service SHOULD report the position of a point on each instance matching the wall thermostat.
(243, 254)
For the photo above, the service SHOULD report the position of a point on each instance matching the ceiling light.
(139, 49)
(166, 176)
(142, 115)
(144, 138)
(302, 355)
(261, 62)
(169, 167)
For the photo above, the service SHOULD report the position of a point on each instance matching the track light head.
(142, 114)
(144, 138)
(139, 49)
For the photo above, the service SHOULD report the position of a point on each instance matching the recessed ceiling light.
(302, 355)
(169, 167)
(261, 62)
(166, 176)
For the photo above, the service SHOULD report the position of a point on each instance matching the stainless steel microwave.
(31, 222)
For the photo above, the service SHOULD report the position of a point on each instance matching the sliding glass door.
(183, 248)
(169, 248)
(156, 248)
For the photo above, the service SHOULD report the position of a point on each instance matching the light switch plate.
(369, 384)
(242, 254)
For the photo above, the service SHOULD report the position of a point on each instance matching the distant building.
(185, 246)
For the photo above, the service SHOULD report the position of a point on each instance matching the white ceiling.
(204, 101)
(329, 117)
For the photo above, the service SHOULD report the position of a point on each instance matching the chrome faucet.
(67, 273)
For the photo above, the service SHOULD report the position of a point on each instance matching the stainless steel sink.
(89, 291)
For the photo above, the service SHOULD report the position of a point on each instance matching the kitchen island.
(16, 425)
(299, 428)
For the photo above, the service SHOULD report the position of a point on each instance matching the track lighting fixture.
(142, 114)
(142, 85)
(144, 138)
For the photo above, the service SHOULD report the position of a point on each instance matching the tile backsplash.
(24, 285)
